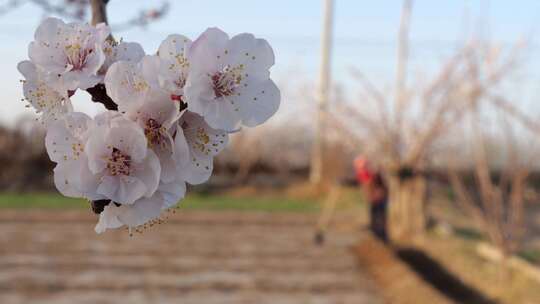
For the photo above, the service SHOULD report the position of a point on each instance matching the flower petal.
(66, 138)
(175, 66)
(149, 173)
(66, 178)
(108, 219)
(172, 192)
(141, 211)
(258, 103)
(45, 99)
(121, 189)
(203, 143)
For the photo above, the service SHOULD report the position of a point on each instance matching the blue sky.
(365, 34)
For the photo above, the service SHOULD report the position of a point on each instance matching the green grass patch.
(40, 200)
(193, 201)
(248, 203)
(531, 255)
(468, 233)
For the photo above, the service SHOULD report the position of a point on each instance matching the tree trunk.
(99, 11)
(406, 218)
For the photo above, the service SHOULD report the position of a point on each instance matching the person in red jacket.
(376, 193)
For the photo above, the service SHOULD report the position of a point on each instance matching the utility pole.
(317, 153)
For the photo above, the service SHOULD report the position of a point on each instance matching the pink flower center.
(154, 132)
(225, 82)
(180, 82)
(77, 56)
(118, 163)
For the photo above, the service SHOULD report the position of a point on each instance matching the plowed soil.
(195, 257)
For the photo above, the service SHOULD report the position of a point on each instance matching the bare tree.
(402, 131)
(496, 199)
(23, 158)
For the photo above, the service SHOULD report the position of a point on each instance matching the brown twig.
(99, 11)
(99, 94)
(499, 206)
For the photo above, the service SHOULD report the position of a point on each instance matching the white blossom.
(174, 69)
(120, 51)
(71, 54)
(143, 210)
(65, 142)
(202, 143)
(156, 115)
(229, 82)
(118, 155)
(136, 161)
(127, 83)
(44, 99)
(138, 213)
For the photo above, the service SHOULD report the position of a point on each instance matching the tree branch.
(99, 11)
(99, 94)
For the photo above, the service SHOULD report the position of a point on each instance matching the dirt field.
(196, 257)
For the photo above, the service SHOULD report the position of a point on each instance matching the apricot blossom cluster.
(168, 114)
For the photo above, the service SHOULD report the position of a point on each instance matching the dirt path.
(195, 257)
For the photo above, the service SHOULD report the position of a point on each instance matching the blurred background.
(436, 101)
